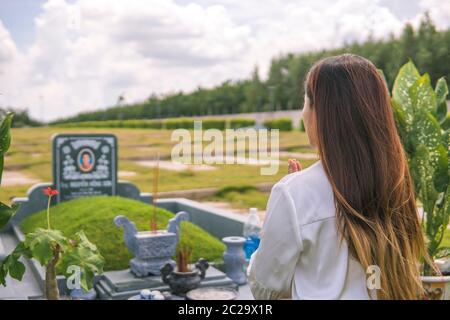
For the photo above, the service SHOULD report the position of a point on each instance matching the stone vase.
(182, 282)
(151, 250)
(234, 259)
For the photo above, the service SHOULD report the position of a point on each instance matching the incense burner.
(151, 250)
(182, 282)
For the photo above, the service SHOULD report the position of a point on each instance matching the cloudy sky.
(58, 58)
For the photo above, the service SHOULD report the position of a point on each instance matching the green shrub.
(173, 123)
(188, 123)
(214, 124)
(151, 124)
(241, 189)
(142, 124)
(133, 124)
(302, 125)
(243, 196)
(240, 123)
(179, 123)
(95, 216)
(109, 124)
(420, 114)
(282, 124)
(154, 124)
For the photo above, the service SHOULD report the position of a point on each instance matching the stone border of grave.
(217, 222)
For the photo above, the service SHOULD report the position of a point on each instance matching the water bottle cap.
(253, 210)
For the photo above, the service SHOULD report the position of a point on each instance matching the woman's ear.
(309, 119)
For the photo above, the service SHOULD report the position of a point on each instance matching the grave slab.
(119, 285)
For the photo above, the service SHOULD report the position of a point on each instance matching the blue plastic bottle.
(252, 229)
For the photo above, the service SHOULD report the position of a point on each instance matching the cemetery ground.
(29, 161)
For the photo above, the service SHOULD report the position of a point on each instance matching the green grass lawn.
(95, 217)
(30, 154)
(243, 197)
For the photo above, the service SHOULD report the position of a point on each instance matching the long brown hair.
(365, 163)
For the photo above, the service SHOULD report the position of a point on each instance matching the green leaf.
(427, 131)
(3, 275)
(84, 242)
(441, 90)
(17, 270)
(23, 250)
(406, 77)
(43, 251)
(42, 243)
(5, 133)
(402, 127)
(437, 222)
(11, 264)
(423, 172)
(446, 139)
(89, 262)
(440, 177)
(422, 95)
(86, 256)
(446, 123)
(5, 139)
(5, 214)
(14, 267)
(441, 94)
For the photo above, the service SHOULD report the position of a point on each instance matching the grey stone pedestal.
(120, 285)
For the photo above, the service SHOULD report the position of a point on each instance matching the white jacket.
(301, 255)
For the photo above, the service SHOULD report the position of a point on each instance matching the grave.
(83, 165)
(86, 165)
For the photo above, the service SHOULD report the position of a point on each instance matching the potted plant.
(422, 121)
(184, 278)
(5, 140)
(52, 249)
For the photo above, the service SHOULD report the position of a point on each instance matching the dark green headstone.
(84, 165)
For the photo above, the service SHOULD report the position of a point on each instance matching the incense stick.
(153, 224)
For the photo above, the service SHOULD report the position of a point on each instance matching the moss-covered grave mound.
(95, 216)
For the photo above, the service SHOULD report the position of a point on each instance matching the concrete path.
(245, 293)
(17, 178)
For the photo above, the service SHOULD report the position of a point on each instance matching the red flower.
(49, 192)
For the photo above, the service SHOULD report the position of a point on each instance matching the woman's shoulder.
(310, 191)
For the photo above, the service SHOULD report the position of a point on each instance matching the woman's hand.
(294, 166)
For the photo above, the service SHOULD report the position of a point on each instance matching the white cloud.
(88, 52)
(439, 11)
(8, 49)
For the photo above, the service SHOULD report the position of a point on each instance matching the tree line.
(428, 47)
(21, 118)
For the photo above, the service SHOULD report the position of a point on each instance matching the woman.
(347, 227)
